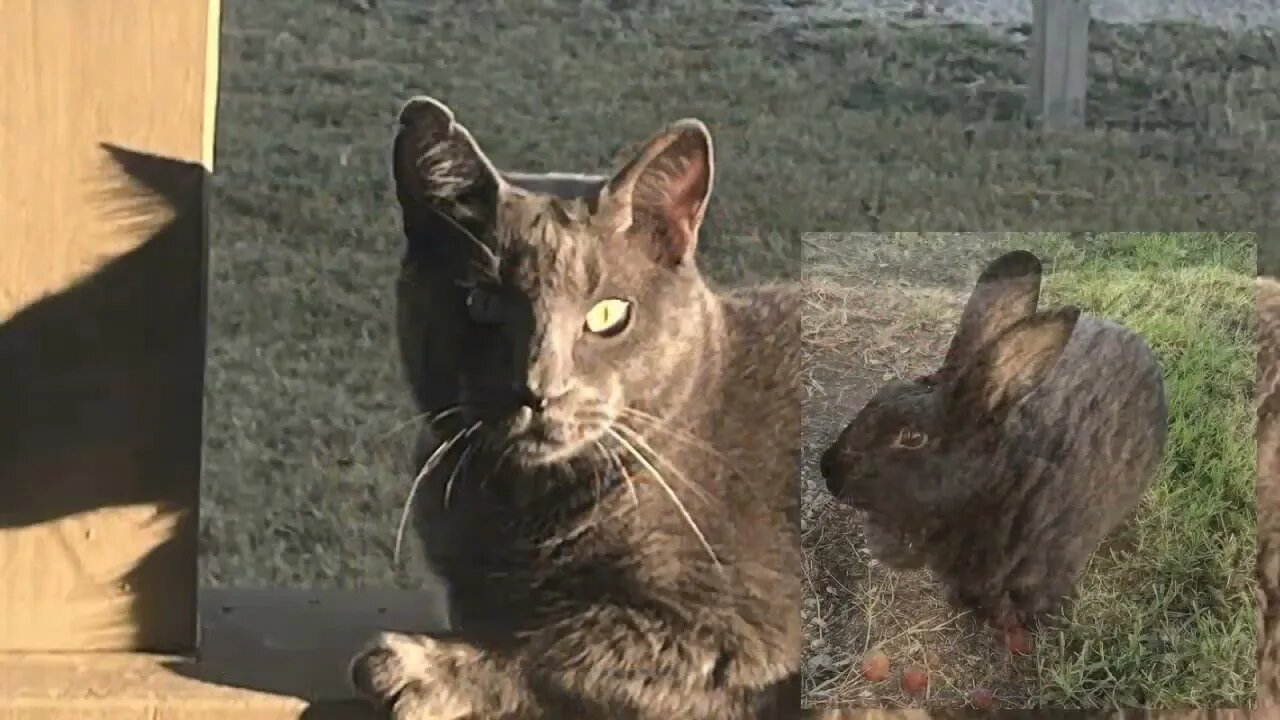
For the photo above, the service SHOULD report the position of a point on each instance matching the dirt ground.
(877, 310)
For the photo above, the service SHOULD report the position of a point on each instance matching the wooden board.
(1059, 55)
(265, 655)
(107, 135)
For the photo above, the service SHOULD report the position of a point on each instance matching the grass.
(304, 475)
(1165, 612)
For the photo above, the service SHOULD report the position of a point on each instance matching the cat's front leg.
(416, 677)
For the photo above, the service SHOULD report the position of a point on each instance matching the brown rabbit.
(1004, 470)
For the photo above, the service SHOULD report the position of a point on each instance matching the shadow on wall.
(101, 390)
(101, 397)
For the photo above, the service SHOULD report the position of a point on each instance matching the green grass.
(302, 480)
(1168, 620)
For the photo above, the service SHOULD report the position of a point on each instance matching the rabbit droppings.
(1004, 470)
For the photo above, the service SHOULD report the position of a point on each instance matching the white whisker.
(466, 456)
(612, 458)
(427, 467)
(497, 464)
(400, 426)
(488, 252)
(639, 439)
(658, 424)
(675, 499)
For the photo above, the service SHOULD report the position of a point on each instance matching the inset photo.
(1029, 470)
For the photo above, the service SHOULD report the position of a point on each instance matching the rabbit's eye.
(910, 439)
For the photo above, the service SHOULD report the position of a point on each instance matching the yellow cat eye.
(910, 439)
(608, 317)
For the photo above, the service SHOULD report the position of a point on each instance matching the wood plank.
(102, 291)
(1059, 55)
(264, 655)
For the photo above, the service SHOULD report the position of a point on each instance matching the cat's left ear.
(442, 178)
(660, 197)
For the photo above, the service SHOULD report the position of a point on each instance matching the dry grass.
(877, 310)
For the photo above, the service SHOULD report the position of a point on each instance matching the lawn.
(1165, 612)
(819, 127)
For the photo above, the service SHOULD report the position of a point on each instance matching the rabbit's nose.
(827, 466)
(834, 484)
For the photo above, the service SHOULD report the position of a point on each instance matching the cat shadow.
(101, 395)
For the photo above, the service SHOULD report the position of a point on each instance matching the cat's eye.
(608, 317)
(484, 305)
(910, 439)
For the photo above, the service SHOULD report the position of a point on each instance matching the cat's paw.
(407, 676)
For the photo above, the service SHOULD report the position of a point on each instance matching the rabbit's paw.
(407, 676)
(1016, 638)
(894, 550)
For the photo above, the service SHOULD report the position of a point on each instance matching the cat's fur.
(575, 591)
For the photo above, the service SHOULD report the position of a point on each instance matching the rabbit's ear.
(1007, 291)
(987, 386)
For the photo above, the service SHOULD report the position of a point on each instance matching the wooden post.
(1059, 51)
(106, 135)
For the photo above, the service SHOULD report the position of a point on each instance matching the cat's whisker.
(639, 439)
(431, 418)
(427, 467)
(662, 426)
(497, 464)
(489, 254)
(675, 499)
(466, 457)
(611, 457)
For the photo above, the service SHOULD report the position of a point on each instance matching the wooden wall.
(106, 144)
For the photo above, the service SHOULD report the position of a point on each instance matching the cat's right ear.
(1007, 291)
(442, 177)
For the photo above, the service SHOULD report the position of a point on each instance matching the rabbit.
(1003, 471)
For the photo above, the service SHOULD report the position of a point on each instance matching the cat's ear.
(439, 170)
(660, 196)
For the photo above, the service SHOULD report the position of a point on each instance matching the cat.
(610, 482)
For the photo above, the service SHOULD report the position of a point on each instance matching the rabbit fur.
(1004, 470)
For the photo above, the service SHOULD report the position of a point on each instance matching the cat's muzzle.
(540, 438)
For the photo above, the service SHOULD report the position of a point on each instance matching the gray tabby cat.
(610, 480)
